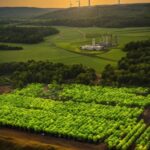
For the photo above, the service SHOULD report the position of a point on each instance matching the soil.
(32, 140)
(5, 89)
(146, 116)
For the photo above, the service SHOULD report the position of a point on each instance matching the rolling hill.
(23, 12)
(125, 15)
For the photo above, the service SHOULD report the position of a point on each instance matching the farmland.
(56, 95)
(64, 47)
(64, 113)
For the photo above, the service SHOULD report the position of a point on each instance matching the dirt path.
(5, 89)
(146, 116)
(24, 138)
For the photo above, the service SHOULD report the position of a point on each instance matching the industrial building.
(107, 41)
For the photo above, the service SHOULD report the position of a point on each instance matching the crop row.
(143, 143)
(77, 119)
(138, 97)
(104, 95)
(84, 109)
(89, 128)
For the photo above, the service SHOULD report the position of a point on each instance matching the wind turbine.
(70, 3)
(79, 3)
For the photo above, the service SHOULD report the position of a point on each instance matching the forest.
(133, 15)
(15, 34)
(117, 22)
(133, 69)
(4, 47)
(23, 73)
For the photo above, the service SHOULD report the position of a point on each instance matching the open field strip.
(64, 47)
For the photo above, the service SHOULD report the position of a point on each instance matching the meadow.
(65, 47)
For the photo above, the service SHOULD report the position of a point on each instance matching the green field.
(64, 47)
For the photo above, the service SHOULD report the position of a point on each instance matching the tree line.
(29, 35)
(132, 70)
(133, 15)
(23, 73)
(95, 21)
(8, 47)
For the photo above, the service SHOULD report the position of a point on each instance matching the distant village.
(107, 41)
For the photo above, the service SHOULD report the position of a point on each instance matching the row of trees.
(29, 35)
(132, 70)
(22, 73)
(8, 47)
(95, 21)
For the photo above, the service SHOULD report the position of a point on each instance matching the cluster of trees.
(95, 21)
(132, 70)
(7, 47)
(29, 35)
(22, 73)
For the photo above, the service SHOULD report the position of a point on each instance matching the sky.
(60, 3)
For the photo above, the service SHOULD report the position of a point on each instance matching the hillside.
(23, 12)
(128, 15)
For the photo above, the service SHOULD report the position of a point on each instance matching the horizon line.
(74, 6)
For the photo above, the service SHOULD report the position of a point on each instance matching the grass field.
(64, 47)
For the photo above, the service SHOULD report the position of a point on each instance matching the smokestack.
(119, 1)
(89, 3)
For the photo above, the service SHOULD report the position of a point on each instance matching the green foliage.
(101, 16)
(32, 90)
(102, 95)
(29, 35)
(24, 73)
(117, 126)
(132, 70)
(80, 121)
(143, 143)
(7, 47)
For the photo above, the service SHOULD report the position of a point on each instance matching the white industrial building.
(107, 41)
(93, 46)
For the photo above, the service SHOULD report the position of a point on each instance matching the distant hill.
(125, 15)
(23, 12)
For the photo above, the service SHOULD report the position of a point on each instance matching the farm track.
(24, 139)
